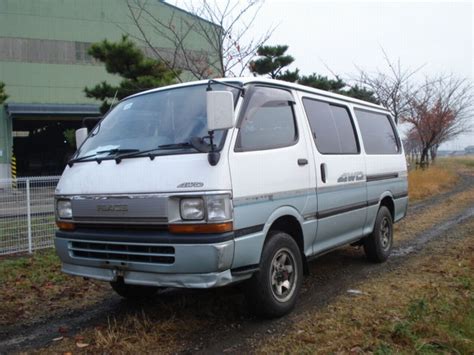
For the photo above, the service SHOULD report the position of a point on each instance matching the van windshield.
(160, 120)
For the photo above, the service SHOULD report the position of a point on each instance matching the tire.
(133, 292)
(273, 290)
(378, 244)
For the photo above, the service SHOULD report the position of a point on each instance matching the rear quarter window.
(378, 133)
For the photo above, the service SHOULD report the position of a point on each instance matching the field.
(426, 306)
(420, 301)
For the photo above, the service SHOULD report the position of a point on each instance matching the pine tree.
(291, 76)
(337, 86)
(125, 59)
(272, 60)
(322, 82)
(361, 93)
(3, 94)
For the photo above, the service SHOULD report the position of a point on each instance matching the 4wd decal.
(349, 177)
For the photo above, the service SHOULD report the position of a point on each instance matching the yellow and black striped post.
(13, 166)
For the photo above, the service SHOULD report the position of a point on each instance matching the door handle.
(302, 162)
(323, 172)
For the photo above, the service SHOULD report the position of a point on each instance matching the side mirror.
(81, 135)
(220, 110)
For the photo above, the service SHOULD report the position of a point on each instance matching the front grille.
(153, 254)
(162, 227)
(156, 221)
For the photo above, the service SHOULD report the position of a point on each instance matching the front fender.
(248, 248)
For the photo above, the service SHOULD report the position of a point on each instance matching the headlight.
(64, 209)
(218, 208)
(192, 209)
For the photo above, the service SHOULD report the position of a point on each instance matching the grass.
(165, 324)
(38, 268)
(437, 326)
(33, 286)
(14, 232)
(431, 181)
(459, 162)
(425, 307)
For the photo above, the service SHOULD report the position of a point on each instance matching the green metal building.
(45, 67)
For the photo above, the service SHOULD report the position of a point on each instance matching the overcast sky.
(437, 35)
(343, 34)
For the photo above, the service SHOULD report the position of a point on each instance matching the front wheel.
(133, 292)
(378, 244)
(272, 291)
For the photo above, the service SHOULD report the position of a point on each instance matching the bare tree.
(441, 110)
(221, 25)
(393, 87)
(412, 146)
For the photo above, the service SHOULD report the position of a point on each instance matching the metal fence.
(27, 213)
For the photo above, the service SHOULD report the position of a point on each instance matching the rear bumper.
(148, 257)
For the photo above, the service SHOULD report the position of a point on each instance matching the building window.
(30, 50)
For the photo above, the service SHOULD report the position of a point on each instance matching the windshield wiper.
(119, 158)
(176, 145)
(99, 160)
(117, 150)
(72, 161)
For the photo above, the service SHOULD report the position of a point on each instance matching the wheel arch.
(387, 200)
(288, 220)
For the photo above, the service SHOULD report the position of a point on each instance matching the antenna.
(113, 101)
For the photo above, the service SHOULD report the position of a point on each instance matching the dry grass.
(463, 164)
(135, 333)
(426, 183)
(158, 327)
(425, 307)
(439, 177)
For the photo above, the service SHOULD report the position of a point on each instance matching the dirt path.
(332, 275)
(216, 320)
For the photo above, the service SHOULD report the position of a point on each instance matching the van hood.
(170, 173)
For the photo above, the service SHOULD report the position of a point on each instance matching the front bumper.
(155, 258)
(206, 280)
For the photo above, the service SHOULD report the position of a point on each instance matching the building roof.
(21, 109)
(188, 13)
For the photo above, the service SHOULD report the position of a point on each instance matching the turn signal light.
(201, 228)
(65, 226)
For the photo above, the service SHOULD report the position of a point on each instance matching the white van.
(215, 182)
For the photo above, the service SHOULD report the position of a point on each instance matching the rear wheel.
(273, 290)
(378, 244)
(133, 292)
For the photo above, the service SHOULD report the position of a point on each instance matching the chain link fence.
(27, 214)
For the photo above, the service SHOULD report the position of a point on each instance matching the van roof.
(274, 82)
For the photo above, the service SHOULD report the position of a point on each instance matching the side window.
(332, 127)
(268, 121)
(377, 133)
